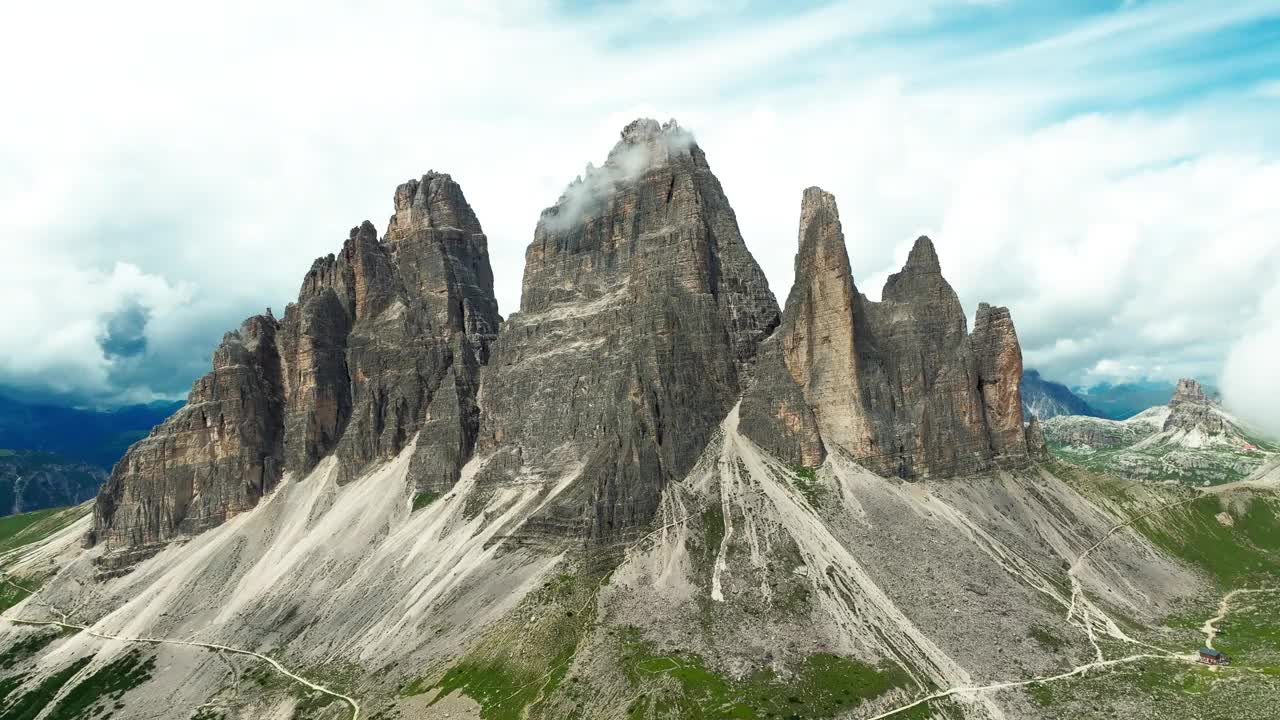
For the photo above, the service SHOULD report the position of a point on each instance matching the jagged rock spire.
(1189, 390)
(897, 385)
(640, 307)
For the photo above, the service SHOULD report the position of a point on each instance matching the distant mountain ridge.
(96, 437)
(1045, 399)
(1121, 401)
(1191, 439)
(32, 480)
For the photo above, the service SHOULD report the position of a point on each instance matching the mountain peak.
(647, 130)
(433, 202)
(1189, 390)
(921, 278)
(821, 244)
(641, 271)
(923, 256)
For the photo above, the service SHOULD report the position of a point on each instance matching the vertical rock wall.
(640, 306)
(899, 385)
(387, 337)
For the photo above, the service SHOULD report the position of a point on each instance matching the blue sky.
(1106, 169)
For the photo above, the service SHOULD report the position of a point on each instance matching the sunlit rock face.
(900, 385)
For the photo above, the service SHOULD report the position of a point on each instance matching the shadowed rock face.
(899, 385)
(640, 305)
(1037, 446)
(215, 457)
(387, 338)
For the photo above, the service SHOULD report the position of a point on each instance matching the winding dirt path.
(1210, 627)
(1078, 670)
(67, 624)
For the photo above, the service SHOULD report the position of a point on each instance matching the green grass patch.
(27, 528)
(1046, 639)
(1161, 689)
(11, 595)
(98, 695)
(517, 666)
(28, 646)
(1246, 552)
(713, 529)
(682, 685)
(13, 527)
(423, 499)
(28, 705)
(805, 479)
(1041, 694)
(1250, 633)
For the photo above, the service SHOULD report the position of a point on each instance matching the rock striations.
(642, 317)
(640, 306)
(387, 338)
(899, 385)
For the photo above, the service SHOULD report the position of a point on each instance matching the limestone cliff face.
(899, 385)
(640, 306)
(387, 338)
(642, 321)
(215, 457)
(1192, 409)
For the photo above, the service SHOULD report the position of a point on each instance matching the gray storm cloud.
(126, 332)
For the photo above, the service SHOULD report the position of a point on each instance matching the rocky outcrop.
(1188, 390)
(1191, 409)
(1037, 445)
(215, 457)
(640, 306)
(898, 385)
(387, 338)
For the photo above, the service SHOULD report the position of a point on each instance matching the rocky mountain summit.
(1193, 412)
(640, 308)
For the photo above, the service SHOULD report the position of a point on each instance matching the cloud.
(1249, 384)
(125, 334)
(644, 145)
(1105, 175)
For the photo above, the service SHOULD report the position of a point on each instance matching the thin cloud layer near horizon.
(1108, 172)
